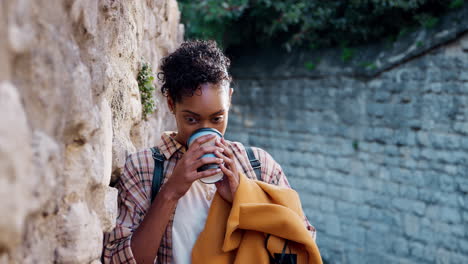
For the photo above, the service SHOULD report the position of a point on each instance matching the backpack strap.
(158, 172)
(254, 163)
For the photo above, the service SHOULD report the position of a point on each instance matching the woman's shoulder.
(136, 166)
(259, 153)
(139, 159)
(270, 169)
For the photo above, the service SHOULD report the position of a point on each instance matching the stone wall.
(377, 147)
(71, 112)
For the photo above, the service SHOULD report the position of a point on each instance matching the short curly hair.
(192, 64)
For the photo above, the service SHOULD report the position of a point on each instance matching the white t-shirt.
(189, 220)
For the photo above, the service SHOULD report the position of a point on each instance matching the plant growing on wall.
(145, 84)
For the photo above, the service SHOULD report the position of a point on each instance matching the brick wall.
(380, 159)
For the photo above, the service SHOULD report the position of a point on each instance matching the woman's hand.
(185, 172)
(227, 187)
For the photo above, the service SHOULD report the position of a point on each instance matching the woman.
(197, 86)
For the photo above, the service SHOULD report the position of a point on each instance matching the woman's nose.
(205, 124)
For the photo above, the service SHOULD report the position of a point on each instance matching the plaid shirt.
(135, 195)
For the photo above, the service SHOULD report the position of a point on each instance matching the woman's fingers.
(208, 160)
(227, 154)
(227, 150)
(232, 180)
(228, 162)
(226, 171)
(207, 173)
(196, 154)
(201, 140)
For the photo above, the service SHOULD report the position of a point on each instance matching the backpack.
(159, 168)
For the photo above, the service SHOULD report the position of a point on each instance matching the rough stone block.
(327, 204)
(422, 251)
(333, 225)
(408, 205)
(443, 213)
(463, 246)
(80, 234)
(378, 201)
(356, 235)
(16, 186)
(104, 203)
(461, 127)
(400, 246)
(382, 96)
(409, 192)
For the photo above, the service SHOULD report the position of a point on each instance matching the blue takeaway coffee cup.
(201, 132)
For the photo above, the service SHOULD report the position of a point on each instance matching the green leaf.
(310, 65)
(355, 145)
(456, 4)
(347, 54)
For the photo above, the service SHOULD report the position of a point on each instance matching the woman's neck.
(179, 140)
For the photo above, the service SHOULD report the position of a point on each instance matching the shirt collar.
(169, 145)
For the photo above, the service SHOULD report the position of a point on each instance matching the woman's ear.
(171, 104)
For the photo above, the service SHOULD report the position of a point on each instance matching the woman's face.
(208, 107)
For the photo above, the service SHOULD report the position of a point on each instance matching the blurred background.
(363, 103)
(365, 106)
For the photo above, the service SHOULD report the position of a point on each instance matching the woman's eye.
(191, 120)
(218, 119)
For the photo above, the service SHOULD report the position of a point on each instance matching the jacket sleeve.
(273, 173)
(130, 214)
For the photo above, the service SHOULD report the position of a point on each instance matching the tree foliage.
(308, 23)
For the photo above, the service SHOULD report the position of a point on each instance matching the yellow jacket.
(236, 233)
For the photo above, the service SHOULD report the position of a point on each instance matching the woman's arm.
(147, 237)
(139, 229)
(131, 210)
